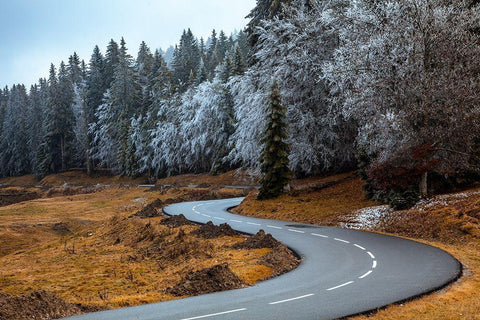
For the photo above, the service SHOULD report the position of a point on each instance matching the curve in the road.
(343, 272)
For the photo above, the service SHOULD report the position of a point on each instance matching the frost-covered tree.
(293, 50)
(250, 114)
(121, 103)
(407, 72)
(264, 10)
(274, 155)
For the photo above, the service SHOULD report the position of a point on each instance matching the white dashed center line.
(374, 263)
(297, 231)
(319, 235)
(342, 285)
(365, 275)
(360, 247)
(292, 299)
(215, 314)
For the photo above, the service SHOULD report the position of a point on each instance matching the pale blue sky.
(34, 33)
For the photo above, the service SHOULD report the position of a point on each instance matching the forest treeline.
(392, 87)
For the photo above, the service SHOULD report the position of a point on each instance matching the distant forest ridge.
(391, 87)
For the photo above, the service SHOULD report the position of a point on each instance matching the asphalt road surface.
(343, 272)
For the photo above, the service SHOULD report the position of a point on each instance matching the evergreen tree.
(224, 70)
(186, 60)
(80, 109)
(274, 156)
(202, 74)
(37, 105)
(211, 61)
(3, 107)
(95, 84)
(55, 151)
(122, 102)
(238, 62)
(222, 47)
(144, 67)
(74, 68)
(265, 9)
(14, 144)
(111, 60)
(243, 44)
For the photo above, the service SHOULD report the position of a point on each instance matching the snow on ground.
(443, 200)
(370, 217)
(366, 218)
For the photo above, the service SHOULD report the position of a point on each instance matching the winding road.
(343, 272)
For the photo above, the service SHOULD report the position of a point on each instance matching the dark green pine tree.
(186, 60)
(244, 45)
(161, 82)
(55, 151)
(95, 84)
(222, 47)
(125, 102)
(14, 144)
(202, 73)
(111, 60)
(238, 62)
(74, 69)
(37, 102)
(224, 70)
(144, 67)
(66, 117)
(211, 60)
(274, 157)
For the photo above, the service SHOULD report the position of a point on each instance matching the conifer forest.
(390, 87)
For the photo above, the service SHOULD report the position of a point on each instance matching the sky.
(36, 33)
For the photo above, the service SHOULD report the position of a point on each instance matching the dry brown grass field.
(89, 249)
(71, 241)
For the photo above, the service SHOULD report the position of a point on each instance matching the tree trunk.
(62, 147)
(424, 185)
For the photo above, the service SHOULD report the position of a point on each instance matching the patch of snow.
(367, 218)
(443, 200)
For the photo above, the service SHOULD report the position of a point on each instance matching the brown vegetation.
(92, 251)
(450, 222)
(314, 200)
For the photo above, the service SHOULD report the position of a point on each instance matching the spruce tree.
(274, 157)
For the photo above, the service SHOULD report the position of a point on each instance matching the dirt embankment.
(39, 305)
(208, 280)
(11, 195)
